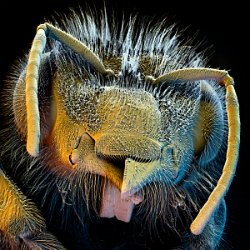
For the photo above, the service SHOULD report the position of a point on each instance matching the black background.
(224, 26)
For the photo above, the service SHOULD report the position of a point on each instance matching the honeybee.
(118, 137)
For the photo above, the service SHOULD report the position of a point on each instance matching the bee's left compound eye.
(209, 129)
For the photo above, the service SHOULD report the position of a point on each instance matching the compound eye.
(209, 130)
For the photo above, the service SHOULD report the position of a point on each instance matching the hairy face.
(118, 145)
(123, 145)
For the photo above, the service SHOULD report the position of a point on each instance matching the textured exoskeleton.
(117, 136)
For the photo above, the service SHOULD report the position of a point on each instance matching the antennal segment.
(78, 47)
(32, 74)
(231, 159)
(32, 109)
(232, 107)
